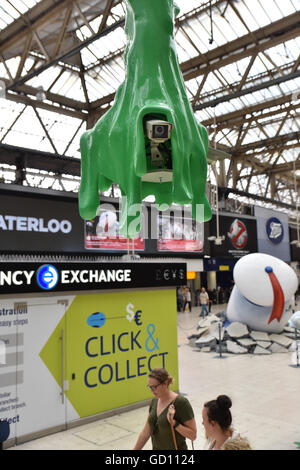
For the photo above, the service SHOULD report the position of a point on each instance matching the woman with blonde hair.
(170, 416)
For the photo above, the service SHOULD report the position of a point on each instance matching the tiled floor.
(265, 391)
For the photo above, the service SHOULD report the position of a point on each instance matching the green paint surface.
(116, 150)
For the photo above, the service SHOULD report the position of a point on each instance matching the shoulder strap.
(172, 429)
(212, 445)
(174, 437)
(173, 432)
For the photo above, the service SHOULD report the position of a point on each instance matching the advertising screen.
(36, 224)
(102, 232)
(239, 236)
(179, 232)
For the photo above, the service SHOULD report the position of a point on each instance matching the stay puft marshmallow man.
(263, 293)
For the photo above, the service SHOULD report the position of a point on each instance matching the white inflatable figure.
(263, 292)
(294, 321)
(108, 224)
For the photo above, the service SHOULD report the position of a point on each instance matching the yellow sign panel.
(223, 268)
(191, 275)
(113, 341)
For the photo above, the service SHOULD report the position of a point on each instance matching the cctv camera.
(158, 131)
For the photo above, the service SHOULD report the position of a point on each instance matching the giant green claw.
(116, 150)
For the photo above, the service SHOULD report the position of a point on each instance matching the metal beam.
(227, 191)
(35, 18)
(43, 161)
(67, 54)
(247, 91)
(275, 30)
(65, 103)
(265, 143)
(280, 105)
(245, 46)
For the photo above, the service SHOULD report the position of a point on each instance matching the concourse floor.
(265, 392)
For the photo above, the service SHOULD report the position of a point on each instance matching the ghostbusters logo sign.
(238, 234)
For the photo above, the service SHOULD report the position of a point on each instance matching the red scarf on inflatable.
(278, 302)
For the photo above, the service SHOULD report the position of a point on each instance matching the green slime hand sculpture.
(117, 150)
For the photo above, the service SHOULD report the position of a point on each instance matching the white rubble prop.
(214, 330)
(237, 338)
(206, 340)
(264, 344)
(277, 348)
(246, 342)
(259, 350)
(259, 336)
(282, 340)
(237, 330)
(235, 348)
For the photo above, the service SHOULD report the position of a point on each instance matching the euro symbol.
(137, 317)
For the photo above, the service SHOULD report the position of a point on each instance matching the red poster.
(179, 234)
(102, 233)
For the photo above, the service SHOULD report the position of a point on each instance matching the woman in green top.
(167, 409)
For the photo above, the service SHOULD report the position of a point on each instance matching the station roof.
(61, 62)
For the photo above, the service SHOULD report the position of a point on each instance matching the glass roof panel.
(104, 71)
(10, 10)
(185, 48)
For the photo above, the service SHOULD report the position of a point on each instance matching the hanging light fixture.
(217, 239)
(40, 94)
(211, 39)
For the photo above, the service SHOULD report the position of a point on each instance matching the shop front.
(78, 340)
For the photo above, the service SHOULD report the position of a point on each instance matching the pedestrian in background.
(188, 297)
(204, 301)
(179, 300)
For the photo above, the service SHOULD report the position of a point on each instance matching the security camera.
(218, 240)
(158, 131)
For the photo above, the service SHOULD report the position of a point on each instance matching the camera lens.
(160, 131)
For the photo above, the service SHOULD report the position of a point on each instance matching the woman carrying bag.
(171, 418)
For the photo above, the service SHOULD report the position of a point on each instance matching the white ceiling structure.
(61, 64)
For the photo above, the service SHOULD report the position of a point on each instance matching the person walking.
(210, 299)
(188, 299)
(169, 412)
(179, 300)
(204, 301)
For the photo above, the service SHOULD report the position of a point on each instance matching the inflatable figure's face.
(261, 297)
